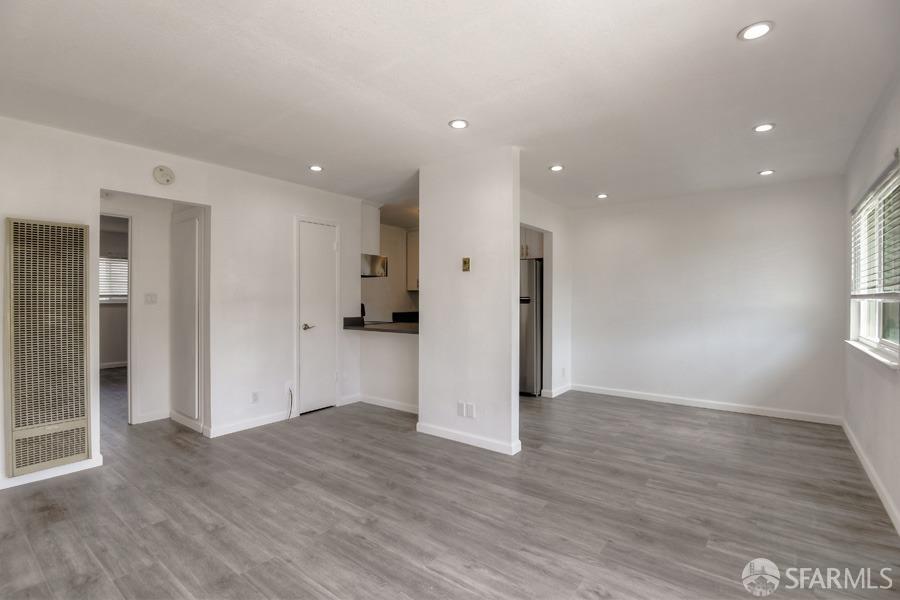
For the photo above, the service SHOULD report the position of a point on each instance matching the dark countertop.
(356, 324)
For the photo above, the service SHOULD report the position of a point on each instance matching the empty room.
(450, 300)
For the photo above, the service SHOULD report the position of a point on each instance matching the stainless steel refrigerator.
(530, 328)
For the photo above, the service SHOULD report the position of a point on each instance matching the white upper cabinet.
(371, 229)
(531, 243)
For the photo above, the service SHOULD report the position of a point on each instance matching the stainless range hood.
(374, 265)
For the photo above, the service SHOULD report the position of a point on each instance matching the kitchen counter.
(357, 324)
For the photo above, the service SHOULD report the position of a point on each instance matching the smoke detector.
(163, 175)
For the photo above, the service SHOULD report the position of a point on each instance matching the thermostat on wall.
(163, 175)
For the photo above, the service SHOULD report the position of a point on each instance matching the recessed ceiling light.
(603, 196)
(556, 168)
(315, 168)
(766, 172)
(755, 31)
(458, 123)
(764, 127)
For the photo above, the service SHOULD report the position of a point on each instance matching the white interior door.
(185, 315)
(318, 326)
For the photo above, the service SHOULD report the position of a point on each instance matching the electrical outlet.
(461, 409)
(254, 398)
(563, 371)
(470, 410)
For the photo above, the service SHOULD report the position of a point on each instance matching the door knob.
(307, 326)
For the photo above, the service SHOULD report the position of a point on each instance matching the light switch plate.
(466, 265)
(151, 298)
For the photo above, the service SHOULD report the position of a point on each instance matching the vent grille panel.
(50, 447)
(48, 340)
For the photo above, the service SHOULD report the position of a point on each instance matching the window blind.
(113, 280)
(875, 238)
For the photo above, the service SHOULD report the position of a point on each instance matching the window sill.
(890, 362)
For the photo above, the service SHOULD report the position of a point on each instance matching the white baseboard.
(220, 430)
(81, 465)
(187, 422)
(113, 365)
(713, 404)
(388, 403)
(556, 391)
(153, 416)
(879, 486)
(470, 439)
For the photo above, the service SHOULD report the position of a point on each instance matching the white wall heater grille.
(47, 327)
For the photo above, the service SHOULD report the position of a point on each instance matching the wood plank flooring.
(610, 498)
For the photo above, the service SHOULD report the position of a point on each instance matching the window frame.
(887, 344)
(872, 256)
(113, 298)
(883, 350)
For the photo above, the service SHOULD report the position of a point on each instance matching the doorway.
(167, 323)
(318, 291)
(113, 284)
(535, 311)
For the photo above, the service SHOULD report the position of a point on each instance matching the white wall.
(113, 335)
(732, 299)
(385, 295)
(469, 323)
(872, 409)
(389, 369)
(148, 375)
(555, 219)
(57, 175)
(113, 244)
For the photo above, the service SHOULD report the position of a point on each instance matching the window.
(113, 279)
(875, 267)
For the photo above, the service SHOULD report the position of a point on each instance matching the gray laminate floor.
(610, 498)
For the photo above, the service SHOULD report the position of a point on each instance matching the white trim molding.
(388, 403)
(349, 399)
(153, 416)
(74, 467)
(888, 361)
(750, 409)
(470, 439)
(220, 430)
(187, 422)
(877, 483)
(556, 391)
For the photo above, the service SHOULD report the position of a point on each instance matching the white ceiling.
(636, 98)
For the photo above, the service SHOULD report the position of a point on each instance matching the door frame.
(548, 291)
(128, 311)
(202, 423)
(203, 426)
(292, 389)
